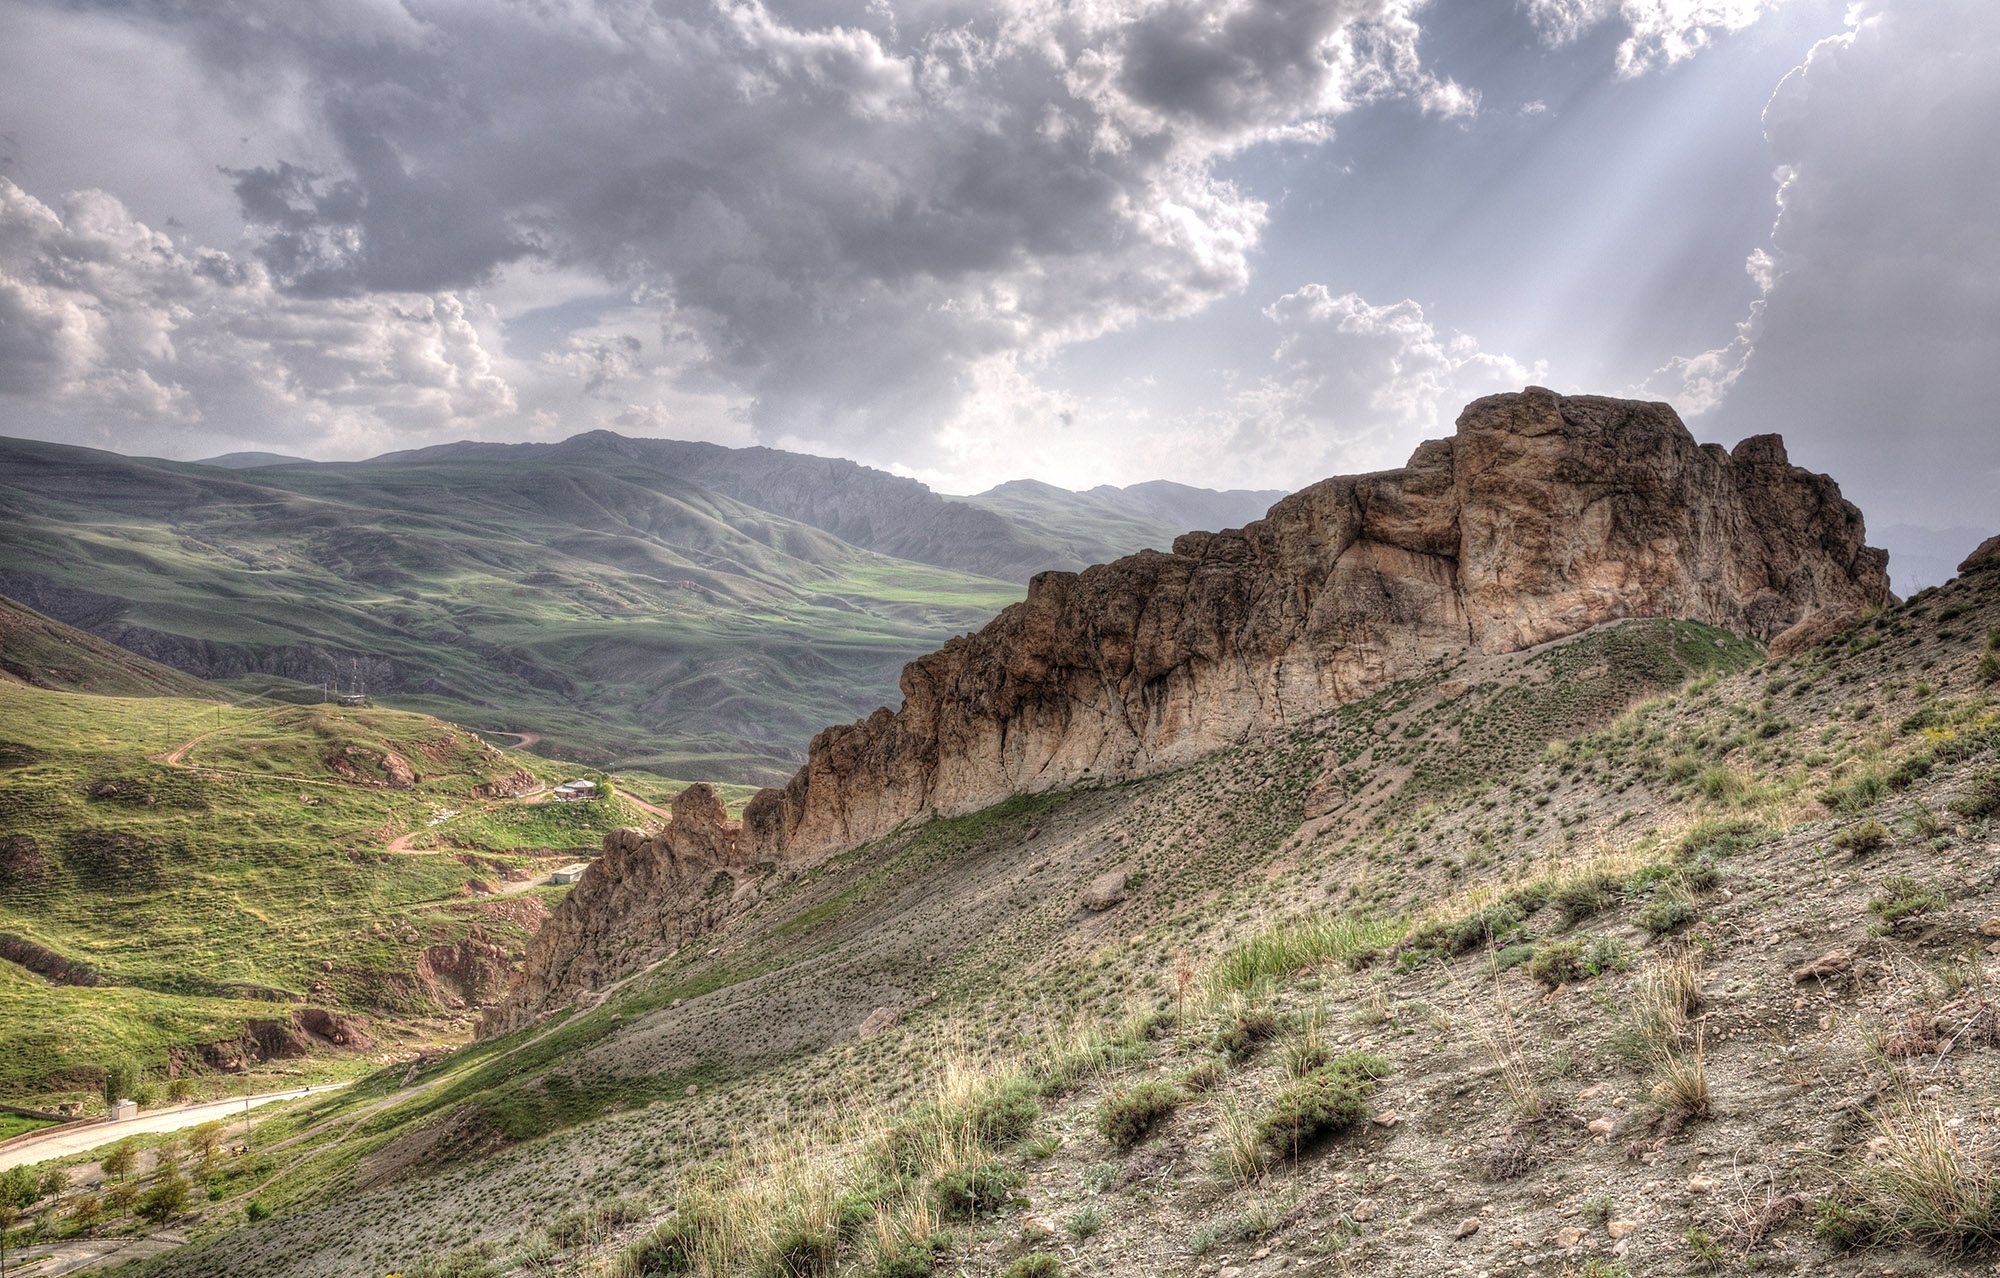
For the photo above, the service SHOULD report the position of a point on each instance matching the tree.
(20, 1187)
(54, 1181)
(121, 1080)
(167, 1198)
(121, 1197)
(205, 1139)
(121, 1160)
(9, 1213)
(86, 1209)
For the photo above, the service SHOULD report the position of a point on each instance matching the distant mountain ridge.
(693, 608)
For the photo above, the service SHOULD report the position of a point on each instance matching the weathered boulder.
(1542, 516)
(1985, 555)
(1105, 891)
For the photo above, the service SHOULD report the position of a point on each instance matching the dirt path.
(75, 1138)
(522, 740)
(177, 757)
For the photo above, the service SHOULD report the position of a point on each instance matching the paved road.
(60, 1142)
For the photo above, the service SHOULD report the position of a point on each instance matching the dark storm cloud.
(853, 213)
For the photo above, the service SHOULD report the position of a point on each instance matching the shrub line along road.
(75, 1138)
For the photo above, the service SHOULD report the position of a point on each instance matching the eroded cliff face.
(1542, 516)
(641, 899)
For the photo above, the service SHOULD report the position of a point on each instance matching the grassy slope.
(1740, 828)
(42, 653)
(258, 865)
(609, 610)
(975, 918)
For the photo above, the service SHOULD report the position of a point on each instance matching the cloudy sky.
(1244, 242)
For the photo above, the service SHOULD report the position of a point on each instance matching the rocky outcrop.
(640, 900)
(1985, 555)
(1542, 516)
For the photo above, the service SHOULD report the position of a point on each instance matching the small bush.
(1868, 837)
(1607, 954)
(1006, 1115)
(1203, 1077)
(1039, 1265)
(974, 1191)
(1557, 963)
(1085, 1222)
(1583, 895)
(256, 1210)
(1245, 1033)
(1126, 1117)
(1325, 1103)
(1843, 1225)
(1981, 799)
(1902, 897)
(1670, 908)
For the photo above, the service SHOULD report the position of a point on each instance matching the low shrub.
(1039, 1265)
(1868, 837)
(1903, 897)
(1557, 963)
(974, 1191)
(1981, 799)
(1325, 1103)
(1246, 1031)
(1006, 1114)
(1202, 1077)
(1669, 909)
(1126, 1117)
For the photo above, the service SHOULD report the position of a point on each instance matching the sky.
(1242, 243)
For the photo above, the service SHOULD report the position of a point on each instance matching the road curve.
(75, 1138)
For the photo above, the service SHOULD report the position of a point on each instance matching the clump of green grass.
(1324, 1103)
(1905, 897)
(1006, 1114)
(1923, 1185)
(1126, 1117)
(1669, 909)
(975, 1190)
(1245, 1031)
(1302, 944)
(1864, 839)
(1039, 1265)
(1557, 963)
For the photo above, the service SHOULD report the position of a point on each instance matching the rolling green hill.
(624, 616)
(44, 653)
(176, 873)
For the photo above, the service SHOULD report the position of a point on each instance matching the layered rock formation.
(1543, 516)
(641, 899)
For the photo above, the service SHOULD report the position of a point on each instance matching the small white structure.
(570, 791)
(123, 1110)
(567, 874)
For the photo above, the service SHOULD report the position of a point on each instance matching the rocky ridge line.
(1542, 517)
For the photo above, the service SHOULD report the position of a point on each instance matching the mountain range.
(684, 607)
